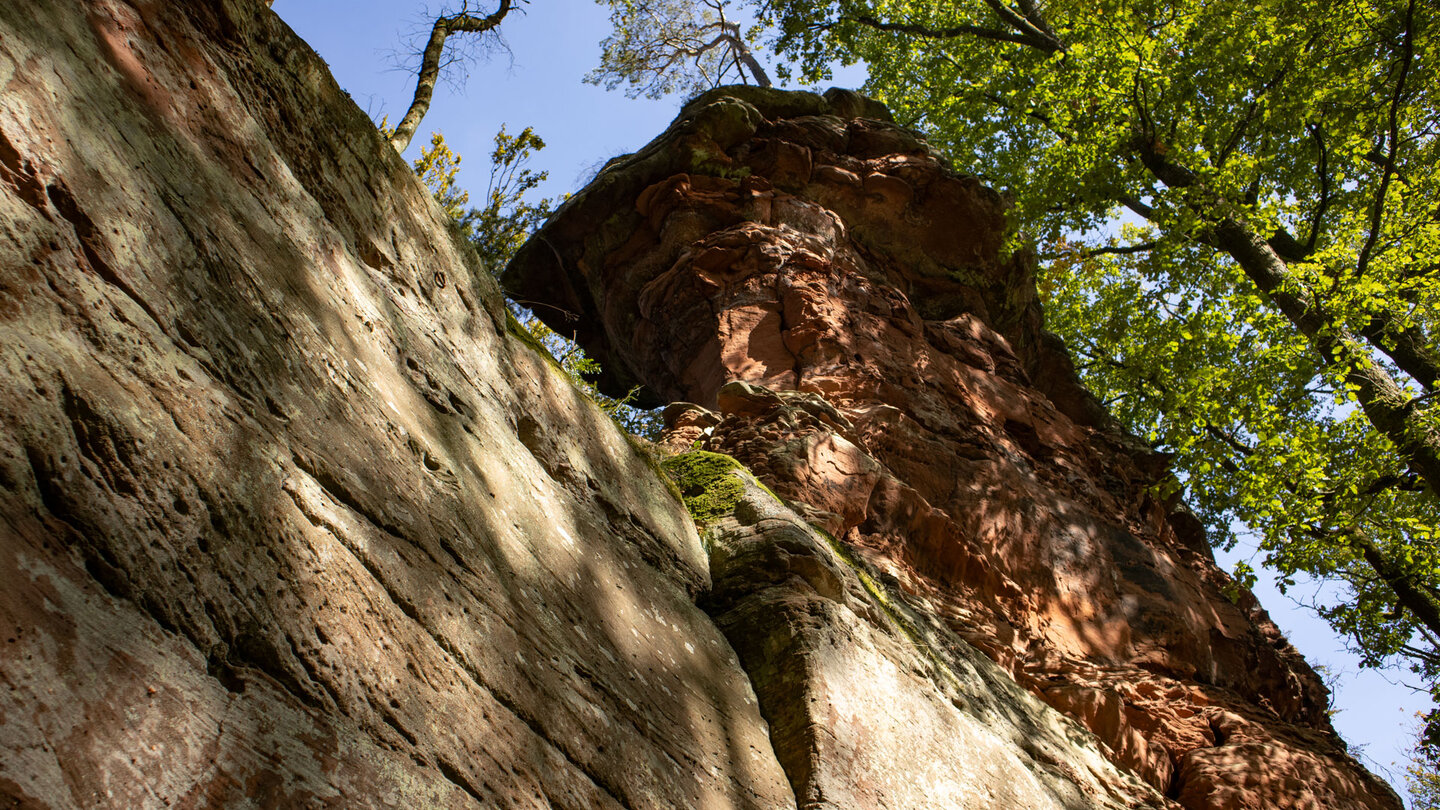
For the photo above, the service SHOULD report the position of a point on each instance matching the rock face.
(874, 704)
(288, 518)
(835, 304)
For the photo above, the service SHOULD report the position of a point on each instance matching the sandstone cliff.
(292, 516)
(834, 302)
(290, 519)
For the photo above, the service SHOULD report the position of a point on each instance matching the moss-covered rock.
(771, 103)
(728, 121)
(706, 483)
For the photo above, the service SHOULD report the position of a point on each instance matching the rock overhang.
(750, 142)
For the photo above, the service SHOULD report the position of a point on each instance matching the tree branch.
(1036, 36)
(462, 22)
(1118, 250)
(1241, 126)
(1413, 596)
(949, 32)
(1134, 204)
(1384, 403)
(743, 55)
(1377, 213)
(1322, 169)
(1265, 266)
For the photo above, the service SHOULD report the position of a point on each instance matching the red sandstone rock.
(873, 704)
(937, 429)
(288, 519)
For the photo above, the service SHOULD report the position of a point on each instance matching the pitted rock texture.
(835, 302)
(872, 704)
(288, 517)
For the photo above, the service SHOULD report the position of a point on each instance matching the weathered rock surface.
(872, 704)
(287, 518)
(836, 303)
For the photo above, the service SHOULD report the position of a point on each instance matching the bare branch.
(461, 22)
(664, 46)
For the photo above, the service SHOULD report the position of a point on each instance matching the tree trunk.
(1384, 402)
(753, 65)
(1407, 346)
(1419, 601)
(731, 34)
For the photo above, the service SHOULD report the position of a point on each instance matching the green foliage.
(437, 168)
(663, 47)
(1276, 168)
(706, 483)
(507, 219)
(1422, 777)
(581, 368)
(498, 230)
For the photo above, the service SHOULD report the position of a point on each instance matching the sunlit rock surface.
(835, 304)
(287, 518)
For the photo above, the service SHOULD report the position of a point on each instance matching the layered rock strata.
(288, 517)
(836, 305)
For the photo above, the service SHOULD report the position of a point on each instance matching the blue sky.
(538, 83)
(368, 43)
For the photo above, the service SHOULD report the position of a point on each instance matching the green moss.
(715, 163)
(706, 485)
(770, 102)
(728, 121)
(767, 490)
(863, 572)
(648, 453)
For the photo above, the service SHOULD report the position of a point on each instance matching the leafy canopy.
(663, 47)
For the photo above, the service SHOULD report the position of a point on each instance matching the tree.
(437, 167)
(1422, 774)
(1422, 779)
(433, 60)
(507, 220)
(660, 47)
(1267, 311)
